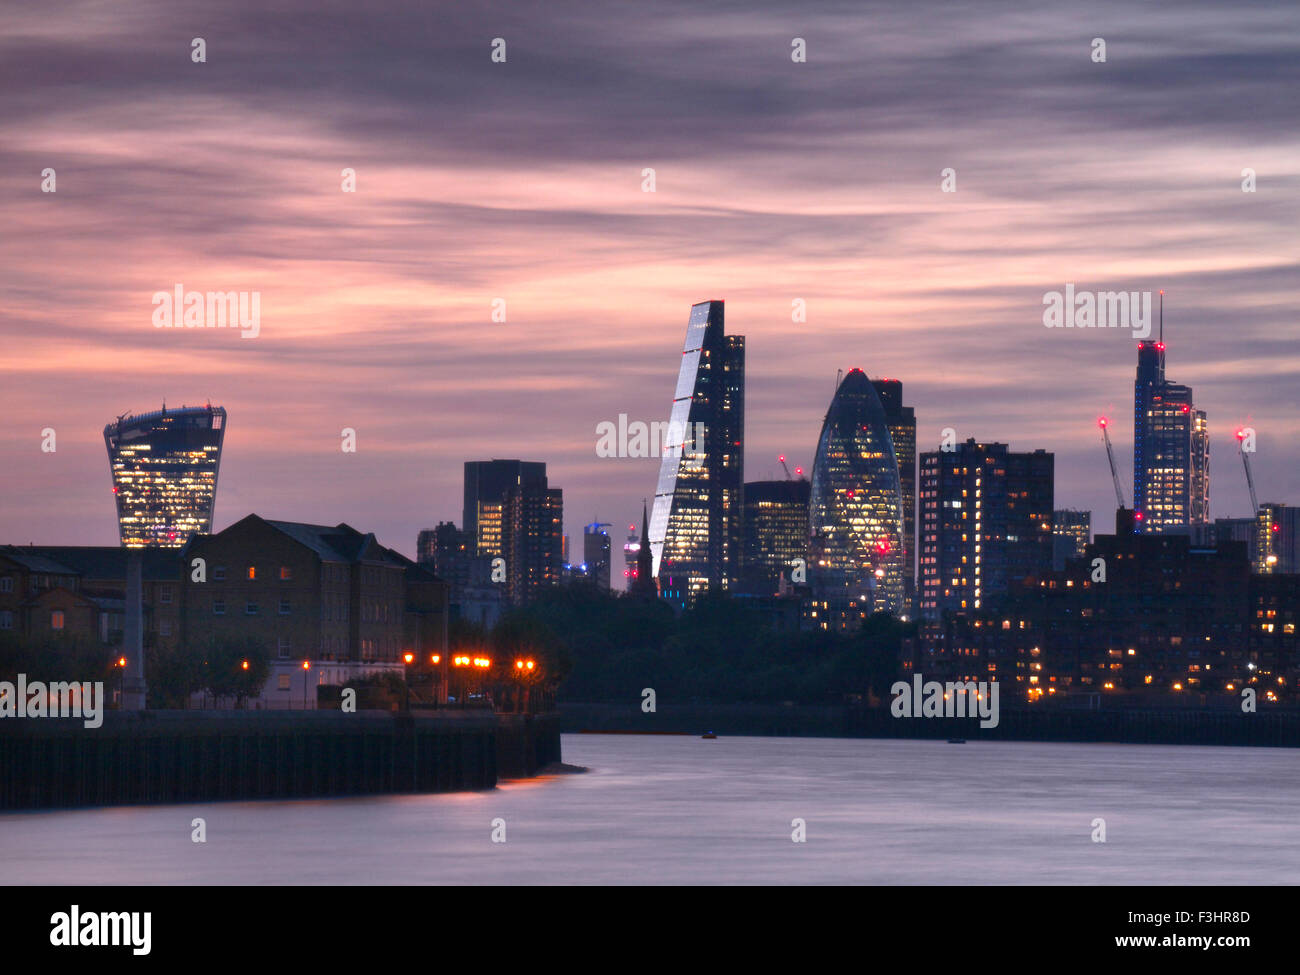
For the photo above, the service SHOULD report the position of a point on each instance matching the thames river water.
(684, 810)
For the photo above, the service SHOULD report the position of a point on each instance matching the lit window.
(56, 619)
(286, 572)
(252, 572)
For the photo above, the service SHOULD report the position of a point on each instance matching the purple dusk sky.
(522, 180)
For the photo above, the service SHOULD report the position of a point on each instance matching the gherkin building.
(855, 509)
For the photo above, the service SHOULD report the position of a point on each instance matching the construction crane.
(788, 475)
(1104, 423)
(1250, 479)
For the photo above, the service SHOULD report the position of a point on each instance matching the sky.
(523, 180)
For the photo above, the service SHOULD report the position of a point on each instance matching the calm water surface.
(684, 810)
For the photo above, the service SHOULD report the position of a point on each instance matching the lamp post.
(408, 658)
(306, 666)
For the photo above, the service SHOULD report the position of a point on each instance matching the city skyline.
(817, 182)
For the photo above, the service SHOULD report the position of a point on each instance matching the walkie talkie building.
(164, 466)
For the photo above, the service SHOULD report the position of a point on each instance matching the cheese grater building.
(695, 529)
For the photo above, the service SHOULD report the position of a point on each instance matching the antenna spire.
(1162, 315)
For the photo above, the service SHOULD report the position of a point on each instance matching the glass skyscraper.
(855, 509)
(1171, 481)
(776, 533)
(902, 431)
(695, 529)
(164, 467)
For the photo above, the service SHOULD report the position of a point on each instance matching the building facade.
(1171, 480)
(986, 524)
(855, 511)
(695, 528)
(164, 467)
(902, 431)
(775, 534)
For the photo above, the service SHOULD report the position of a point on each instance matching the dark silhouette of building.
(643, 583)
(695, 531)
(596, 553)
(164, 466)
(986, 524)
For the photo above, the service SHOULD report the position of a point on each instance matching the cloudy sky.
(774, 180)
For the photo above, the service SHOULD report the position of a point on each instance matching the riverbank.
(1152, 726)
(194, 756)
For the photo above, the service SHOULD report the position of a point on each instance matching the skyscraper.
(986, 524)
(1276, 547)
(902, 431)
(695, 530)
(776, 532)
(164, 466)
(486, 483)
(595, 553)
(855, 510)
(513, 514)
(1171, 481)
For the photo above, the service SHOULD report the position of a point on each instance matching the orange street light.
(435, 658)
(408, 657)
(306, 665)
(244, 665)
(121, 661)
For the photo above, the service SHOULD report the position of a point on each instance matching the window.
(6, 583)
(250, 609)
(284, 607)
(286, 572)
(252, 572)
(218, 607)
(282, 650)
(284, 682)
(165, 594)
(56, 619)
(6, 620)
(165, 628)
(219, 573)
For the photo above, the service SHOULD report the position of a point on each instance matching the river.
(683, 810)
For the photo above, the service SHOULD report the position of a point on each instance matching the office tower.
(449, 552)
(902, 430)
(855, 510)
(164, 466)
(1276, 548)
(775, 532)
(595, 553)
(1071, 533)
(695, 531)
(986, 524)
(532, 533)
(486, 484)
(1171, 480)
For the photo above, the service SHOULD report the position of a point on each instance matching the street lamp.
(408, 658)
(306, 666)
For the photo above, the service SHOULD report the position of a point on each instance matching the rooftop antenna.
(1162, 316)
